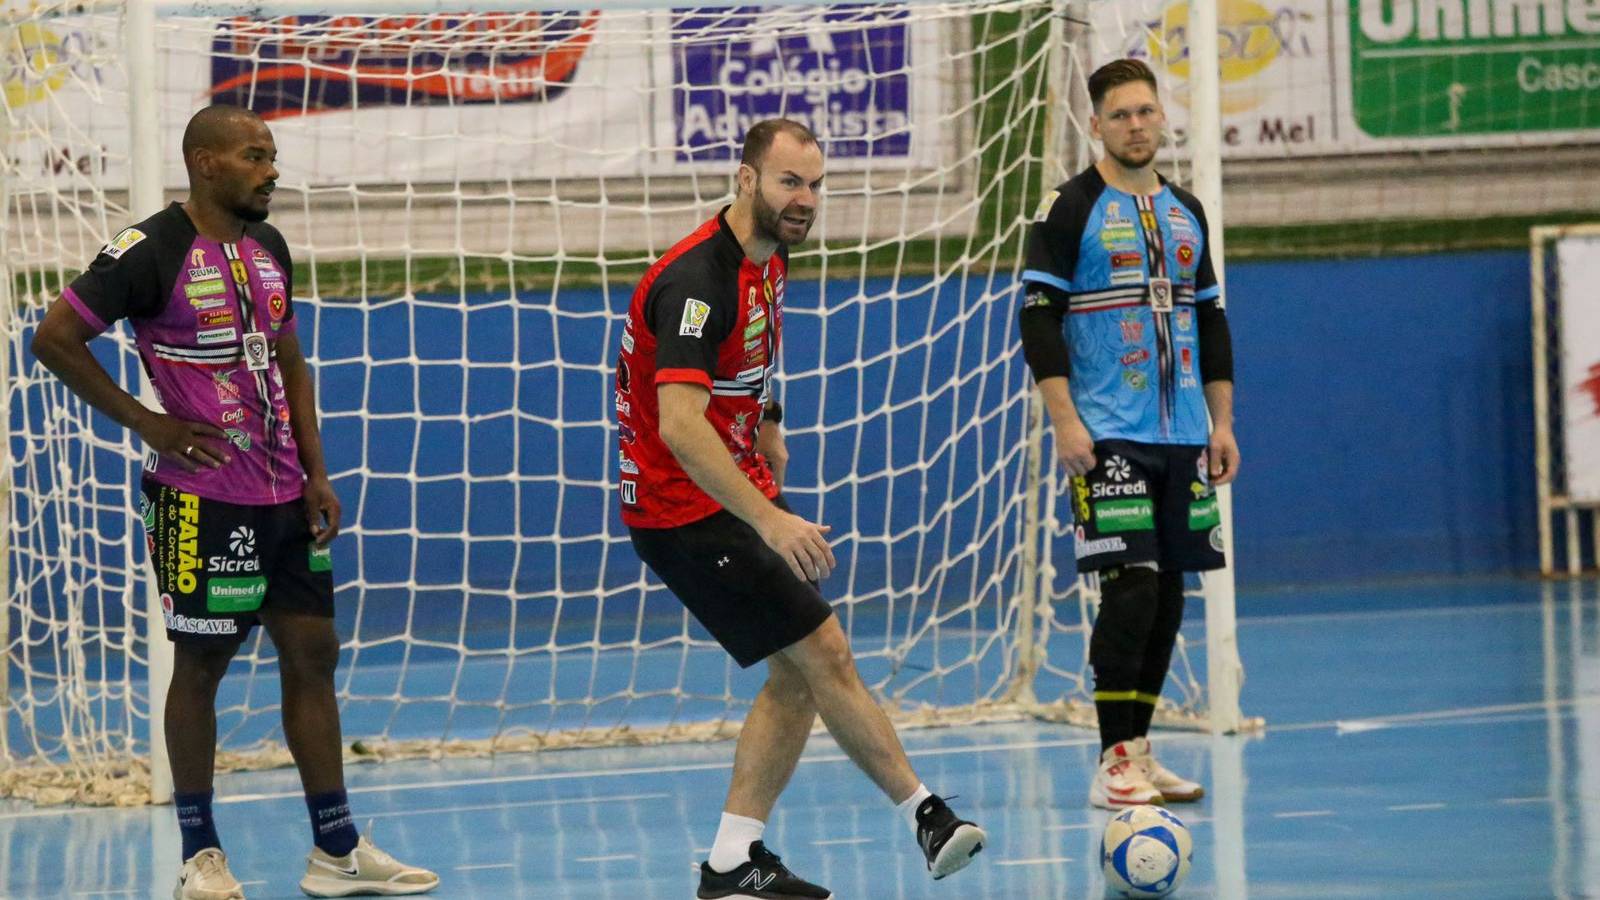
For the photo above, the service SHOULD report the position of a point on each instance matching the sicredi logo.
(846, 82)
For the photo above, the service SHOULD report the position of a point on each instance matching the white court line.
(665, 770)
(1428, 613)
(1303, 814)
(481, 807)
(1038, 861)
(836, 841)
(480, 866)
(1443, 716)
(1080, 826)
(1090, 826)
(611, 858)
(1513, 801)
(1414, 807)
(1437, 716)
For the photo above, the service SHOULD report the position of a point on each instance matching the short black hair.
(1116, 73)
(213, 126)
(758, 140)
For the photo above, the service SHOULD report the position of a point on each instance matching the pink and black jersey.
(197, 307)
(703, 314)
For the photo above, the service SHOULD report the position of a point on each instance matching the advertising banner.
(1578, 262)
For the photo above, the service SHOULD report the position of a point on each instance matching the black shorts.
(1147, 503)
(740, 589)
(218, 563)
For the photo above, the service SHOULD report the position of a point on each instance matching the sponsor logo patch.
(228, 393)
(214, 318)
(205, 288)
(320, 559)
(204, 273)
(217, 336)
(235, 595)
(1203, 514)
(1124, 515)
(1103, 545)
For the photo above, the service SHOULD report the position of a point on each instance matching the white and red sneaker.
(1174, 788)
(1121, 781)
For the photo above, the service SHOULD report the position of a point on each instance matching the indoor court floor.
(1423, 740)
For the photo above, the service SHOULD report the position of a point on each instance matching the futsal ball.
(1145, 852)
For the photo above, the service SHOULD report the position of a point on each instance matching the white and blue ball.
(1146, 852)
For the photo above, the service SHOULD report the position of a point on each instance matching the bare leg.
(771, 740)
(191, 713)
(308, 653)
(852, 716)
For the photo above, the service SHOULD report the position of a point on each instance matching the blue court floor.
(1433, 741)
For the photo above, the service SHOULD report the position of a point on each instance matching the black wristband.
(772, 412)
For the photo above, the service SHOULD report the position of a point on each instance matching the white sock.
(734, 837)
(908, 807)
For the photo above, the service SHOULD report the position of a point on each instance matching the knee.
(827, 657)
(310, 656)
(786, 683)
(1127, 616)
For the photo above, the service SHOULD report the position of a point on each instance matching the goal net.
(470, 199)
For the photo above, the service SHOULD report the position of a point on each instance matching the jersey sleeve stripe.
(1035, 275)
(1210, 293)
(683, 376)
(83, 310)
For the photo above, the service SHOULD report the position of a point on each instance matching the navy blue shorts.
(1147, 503)
(218, 564)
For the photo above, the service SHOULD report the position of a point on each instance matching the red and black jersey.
(703, 314)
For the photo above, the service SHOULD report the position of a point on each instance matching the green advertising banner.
(1438, 69)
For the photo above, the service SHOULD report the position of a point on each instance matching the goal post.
(470, 192)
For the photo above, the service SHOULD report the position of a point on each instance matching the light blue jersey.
(1133, 269)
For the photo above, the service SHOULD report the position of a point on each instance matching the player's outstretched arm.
(694, 443)
(322, 504)
(61, 343)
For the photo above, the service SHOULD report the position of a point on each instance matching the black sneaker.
(764, 877)
(948, 842)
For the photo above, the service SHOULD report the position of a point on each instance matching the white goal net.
(470, 199)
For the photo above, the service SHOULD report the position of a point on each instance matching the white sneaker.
(1174, 788)
(1121, 781)
(367, 870)
(205, 876)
